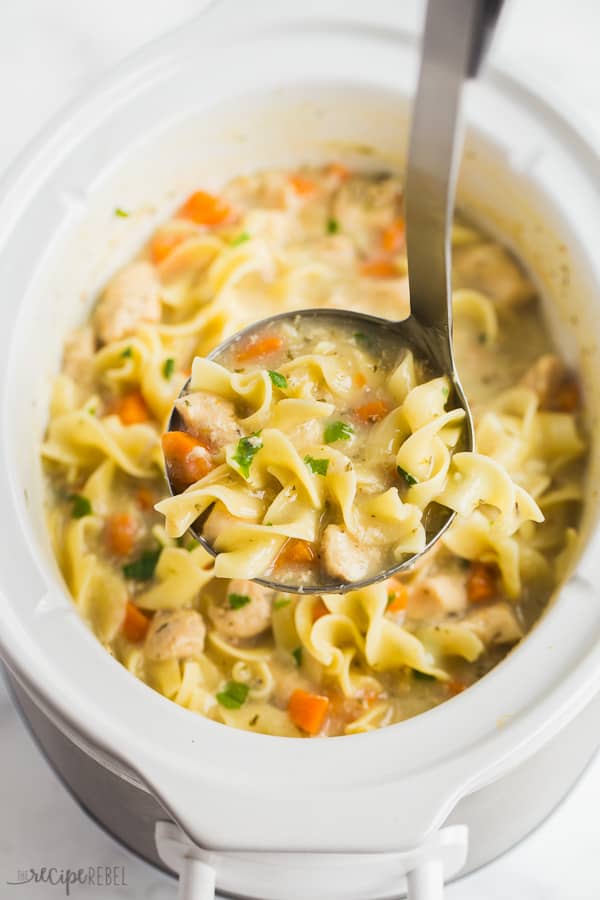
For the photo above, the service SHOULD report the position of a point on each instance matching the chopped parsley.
(278, 379)
(297, 654)
(142, 568)
(236, 601)
(481, 338)
(245, 452)
(121, 213)
(317, 466)
(127, 353)
(233, 695)
(337, 431)
(239, 239)
(361, 338)
(281, 603)
(80, 506)
(253, 720)
(423, 676)
(332, 226)
(168, 367)
(409, 479)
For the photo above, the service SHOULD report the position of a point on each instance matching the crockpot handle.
(425, 867)
(426, 881)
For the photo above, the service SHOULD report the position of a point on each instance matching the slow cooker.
(364, 816)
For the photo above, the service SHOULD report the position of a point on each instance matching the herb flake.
(332, 226)
(80, 506)
(423, 676)
(279, 380)
(234, 695)
(410, 479)
(297, 654)
(236, 601)
(142, 568)
(127, 353)
(245, 452)
(168, 368)
(363, 339)
(121, 213)
(337, 431)
(281, 603)
(239, 239)
(317, 466)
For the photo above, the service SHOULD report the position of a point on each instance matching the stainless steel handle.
(456, 36)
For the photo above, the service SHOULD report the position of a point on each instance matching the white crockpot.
(220, 96)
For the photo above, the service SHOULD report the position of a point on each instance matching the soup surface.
(335, 466)
(231, 649)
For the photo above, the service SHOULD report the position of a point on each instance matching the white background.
(52, 49)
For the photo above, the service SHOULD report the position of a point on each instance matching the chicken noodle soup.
(230, 649)
(327, 455)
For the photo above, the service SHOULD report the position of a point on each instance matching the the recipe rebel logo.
(92, 876)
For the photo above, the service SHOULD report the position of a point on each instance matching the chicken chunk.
(79, 350)
(545, 377)
(209, 418)
(343, 557)
(365, 206)
(175, 634)
(490, 269)
(437, 596)
(131, 298)
(495, 624)
(244, 612)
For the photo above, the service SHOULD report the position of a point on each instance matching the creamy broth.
(228, 648)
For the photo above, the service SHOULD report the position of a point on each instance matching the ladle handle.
(457, 34)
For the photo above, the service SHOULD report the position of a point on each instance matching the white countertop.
(52, 49)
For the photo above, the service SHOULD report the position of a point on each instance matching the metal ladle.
(456, 35)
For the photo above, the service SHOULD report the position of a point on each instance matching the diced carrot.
(481, 583)
(308, 711)
(185, 460)
(135, 624)
(372, 412)
(372, 696)
(258, 346)
(145, 498)
(120, 533)
(379, 268)
(302, 185)
(338, 170)
(455, 687)
(132, 409)
(296, 551)
(359, 380)
(163, 243)
(392, 237)
(397, 597)
(319, 610)
(205, 209)
(568, 396)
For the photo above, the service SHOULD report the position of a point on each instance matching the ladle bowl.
(411, 335)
